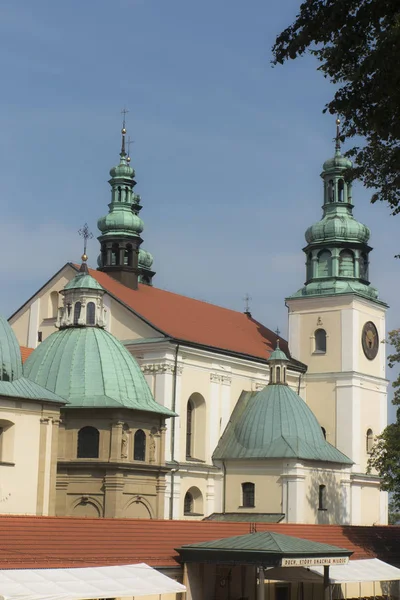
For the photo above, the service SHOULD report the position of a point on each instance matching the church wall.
(25, 463)
(266, 477)
(321, 400)
(39, 314)
(336, 505)
(123, 324)
(370, 312)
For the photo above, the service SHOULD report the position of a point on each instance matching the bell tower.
(120, 239)
(337, 328)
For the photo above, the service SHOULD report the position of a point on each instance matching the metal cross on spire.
(277, 331)
(86, 234)
(124, 112)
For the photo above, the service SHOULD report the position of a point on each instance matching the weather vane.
(247, 299)
(86, 234)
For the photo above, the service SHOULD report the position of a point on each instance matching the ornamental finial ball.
(337, 121)
(123, 131)
(128, 159)
(84, 257)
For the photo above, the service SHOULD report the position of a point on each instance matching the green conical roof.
(275, 423)
(10, 354)
(91, 369)
(278, 354)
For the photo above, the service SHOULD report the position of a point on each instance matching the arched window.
(77, 312)
(323, 432)
(346, 264)
(193, 502)
(322, 497)
(331, 191)
(309, 267)
(341, 190)
(139, 445)
(324, 264)
(370, 440)
(320, 341)
(364, 267)
(90, 313)
(115, 255)
(248, 494)
(53, 304)
(189, 428)
(119, 193)
(188, 504)
(278, 375)
(88, 442)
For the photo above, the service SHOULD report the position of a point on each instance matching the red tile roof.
(25, 352)
(195, 321)
(50, 542)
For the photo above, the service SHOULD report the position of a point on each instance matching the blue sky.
(227, 150)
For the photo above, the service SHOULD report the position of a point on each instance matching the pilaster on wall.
(113, 489)
(33, 327)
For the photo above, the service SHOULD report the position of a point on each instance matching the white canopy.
(85, 583)
(370, 569)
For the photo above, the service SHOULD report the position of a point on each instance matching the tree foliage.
(358, 45)
(385, 455)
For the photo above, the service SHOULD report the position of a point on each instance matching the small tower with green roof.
(336, 327)
(120, 239)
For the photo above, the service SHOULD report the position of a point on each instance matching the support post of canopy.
(326, 595)
(261, 584)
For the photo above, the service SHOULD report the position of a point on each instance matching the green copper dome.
(275, 423)
(83, 281)
(91, 369)
(120, 220)
(337, 227)
(337, 162)
(278, 354)
(10, 354)
(145, 259)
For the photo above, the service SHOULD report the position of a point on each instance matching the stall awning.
(370, 569)
(85, 583)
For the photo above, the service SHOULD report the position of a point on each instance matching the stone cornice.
(346, 375)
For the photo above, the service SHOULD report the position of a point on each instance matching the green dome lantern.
(337, 248)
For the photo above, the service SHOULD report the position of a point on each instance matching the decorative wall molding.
(161, 368)
(215, 378)
(226, 379)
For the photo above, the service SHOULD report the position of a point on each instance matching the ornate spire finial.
(277, 331)
(86, 234)
(247, 299)
(337, 142)
(277, 344)
(124, 112)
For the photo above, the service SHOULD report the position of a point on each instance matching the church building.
(264, 428)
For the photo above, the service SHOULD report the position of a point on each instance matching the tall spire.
(337, 246)
(120, 237)
(337, 139)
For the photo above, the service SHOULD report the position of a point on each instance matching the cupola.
(277, 362)
(82, 301)
(337, 248)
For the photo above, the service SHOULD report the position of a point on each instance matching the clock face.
(370, 340)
